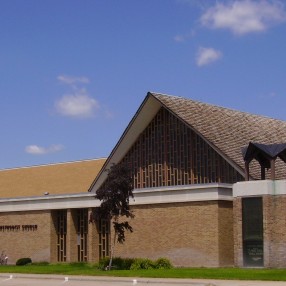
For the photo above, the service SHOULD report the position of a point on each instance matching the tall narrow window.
(252, 230)
(104, 237)
(62, 235)
(82, 222)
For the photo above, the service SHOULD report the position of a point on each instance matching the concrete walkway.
(43, 280)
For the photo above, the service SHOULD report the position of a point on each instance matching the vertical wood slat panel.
(169, 153)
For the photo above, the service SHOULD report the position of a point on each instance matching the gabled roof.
(55, 179)
(226, 130)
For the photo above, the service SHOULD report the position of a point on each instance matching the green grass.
(204, 273)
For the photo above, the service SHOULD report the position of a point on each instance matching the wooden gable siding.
(169, 153)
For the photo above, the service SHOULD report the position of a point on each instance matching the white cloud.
(72, 79)
(77, 102)
(38, 150)
(79, 105)
(207, 56)
(246, 16)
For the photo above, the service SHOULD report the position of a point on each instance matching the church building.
(209, 190)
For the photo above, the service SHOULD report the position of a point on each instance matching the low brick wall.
(274, 230)
(25, 234)
(189, 234)
(237, 232)
(274, 220)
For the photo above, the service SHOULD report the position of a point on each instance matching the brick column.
(267, 229)
(92, 240)
(54, 237)
(71, 236)
(237, 232)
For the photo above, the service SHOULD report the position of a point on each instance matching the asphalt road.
(59, 280)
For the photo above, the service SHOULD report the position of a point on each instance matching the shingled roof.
(226, 130)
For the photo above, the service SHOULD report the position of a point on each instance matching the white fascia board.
(186, 193)
(176, 194)
(259, 188)
(82, 200)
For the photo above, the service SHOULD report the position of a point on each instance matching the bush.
(122, 263)
(117, 263)
(103, 263)
(134, 263)
(24, 261)
(163, 263)
(142, 263)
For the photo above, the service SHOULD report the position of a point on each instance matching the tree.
(114, 197)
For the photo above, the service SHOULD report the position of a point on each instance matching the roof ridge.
(52, 164)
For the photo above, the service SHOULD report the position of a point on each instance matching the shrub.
(134, 263)
(163, 263)
(127, 263)
(23, 261)
(142, 263)
(103, 263)
(117, 263)
(122, 263)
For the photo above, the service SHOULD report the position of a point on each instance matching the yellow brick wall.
(26, 243)
(274, 229)
(189, 234)
(225, 228)
(54, 237)
(237, 232)
(93, 239)
(72, 251)
(186, 233)
(274, 223)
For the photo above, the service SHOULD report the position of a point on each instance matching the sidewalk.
(139, 281)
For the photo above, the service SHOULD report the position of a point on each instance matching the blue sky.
(73, 73)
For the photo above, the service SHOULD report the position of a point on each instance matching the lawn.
(209, 273)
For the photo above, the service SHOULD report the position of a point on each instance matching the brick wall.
(54, 237)
(186, 233)
(189, 234)
(93, 241)
(26, 241)
(237, 232)
(72, 252)
(225, 233)
(274, 231)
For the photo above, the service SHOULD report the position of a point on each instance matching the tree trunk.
(112, 252)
